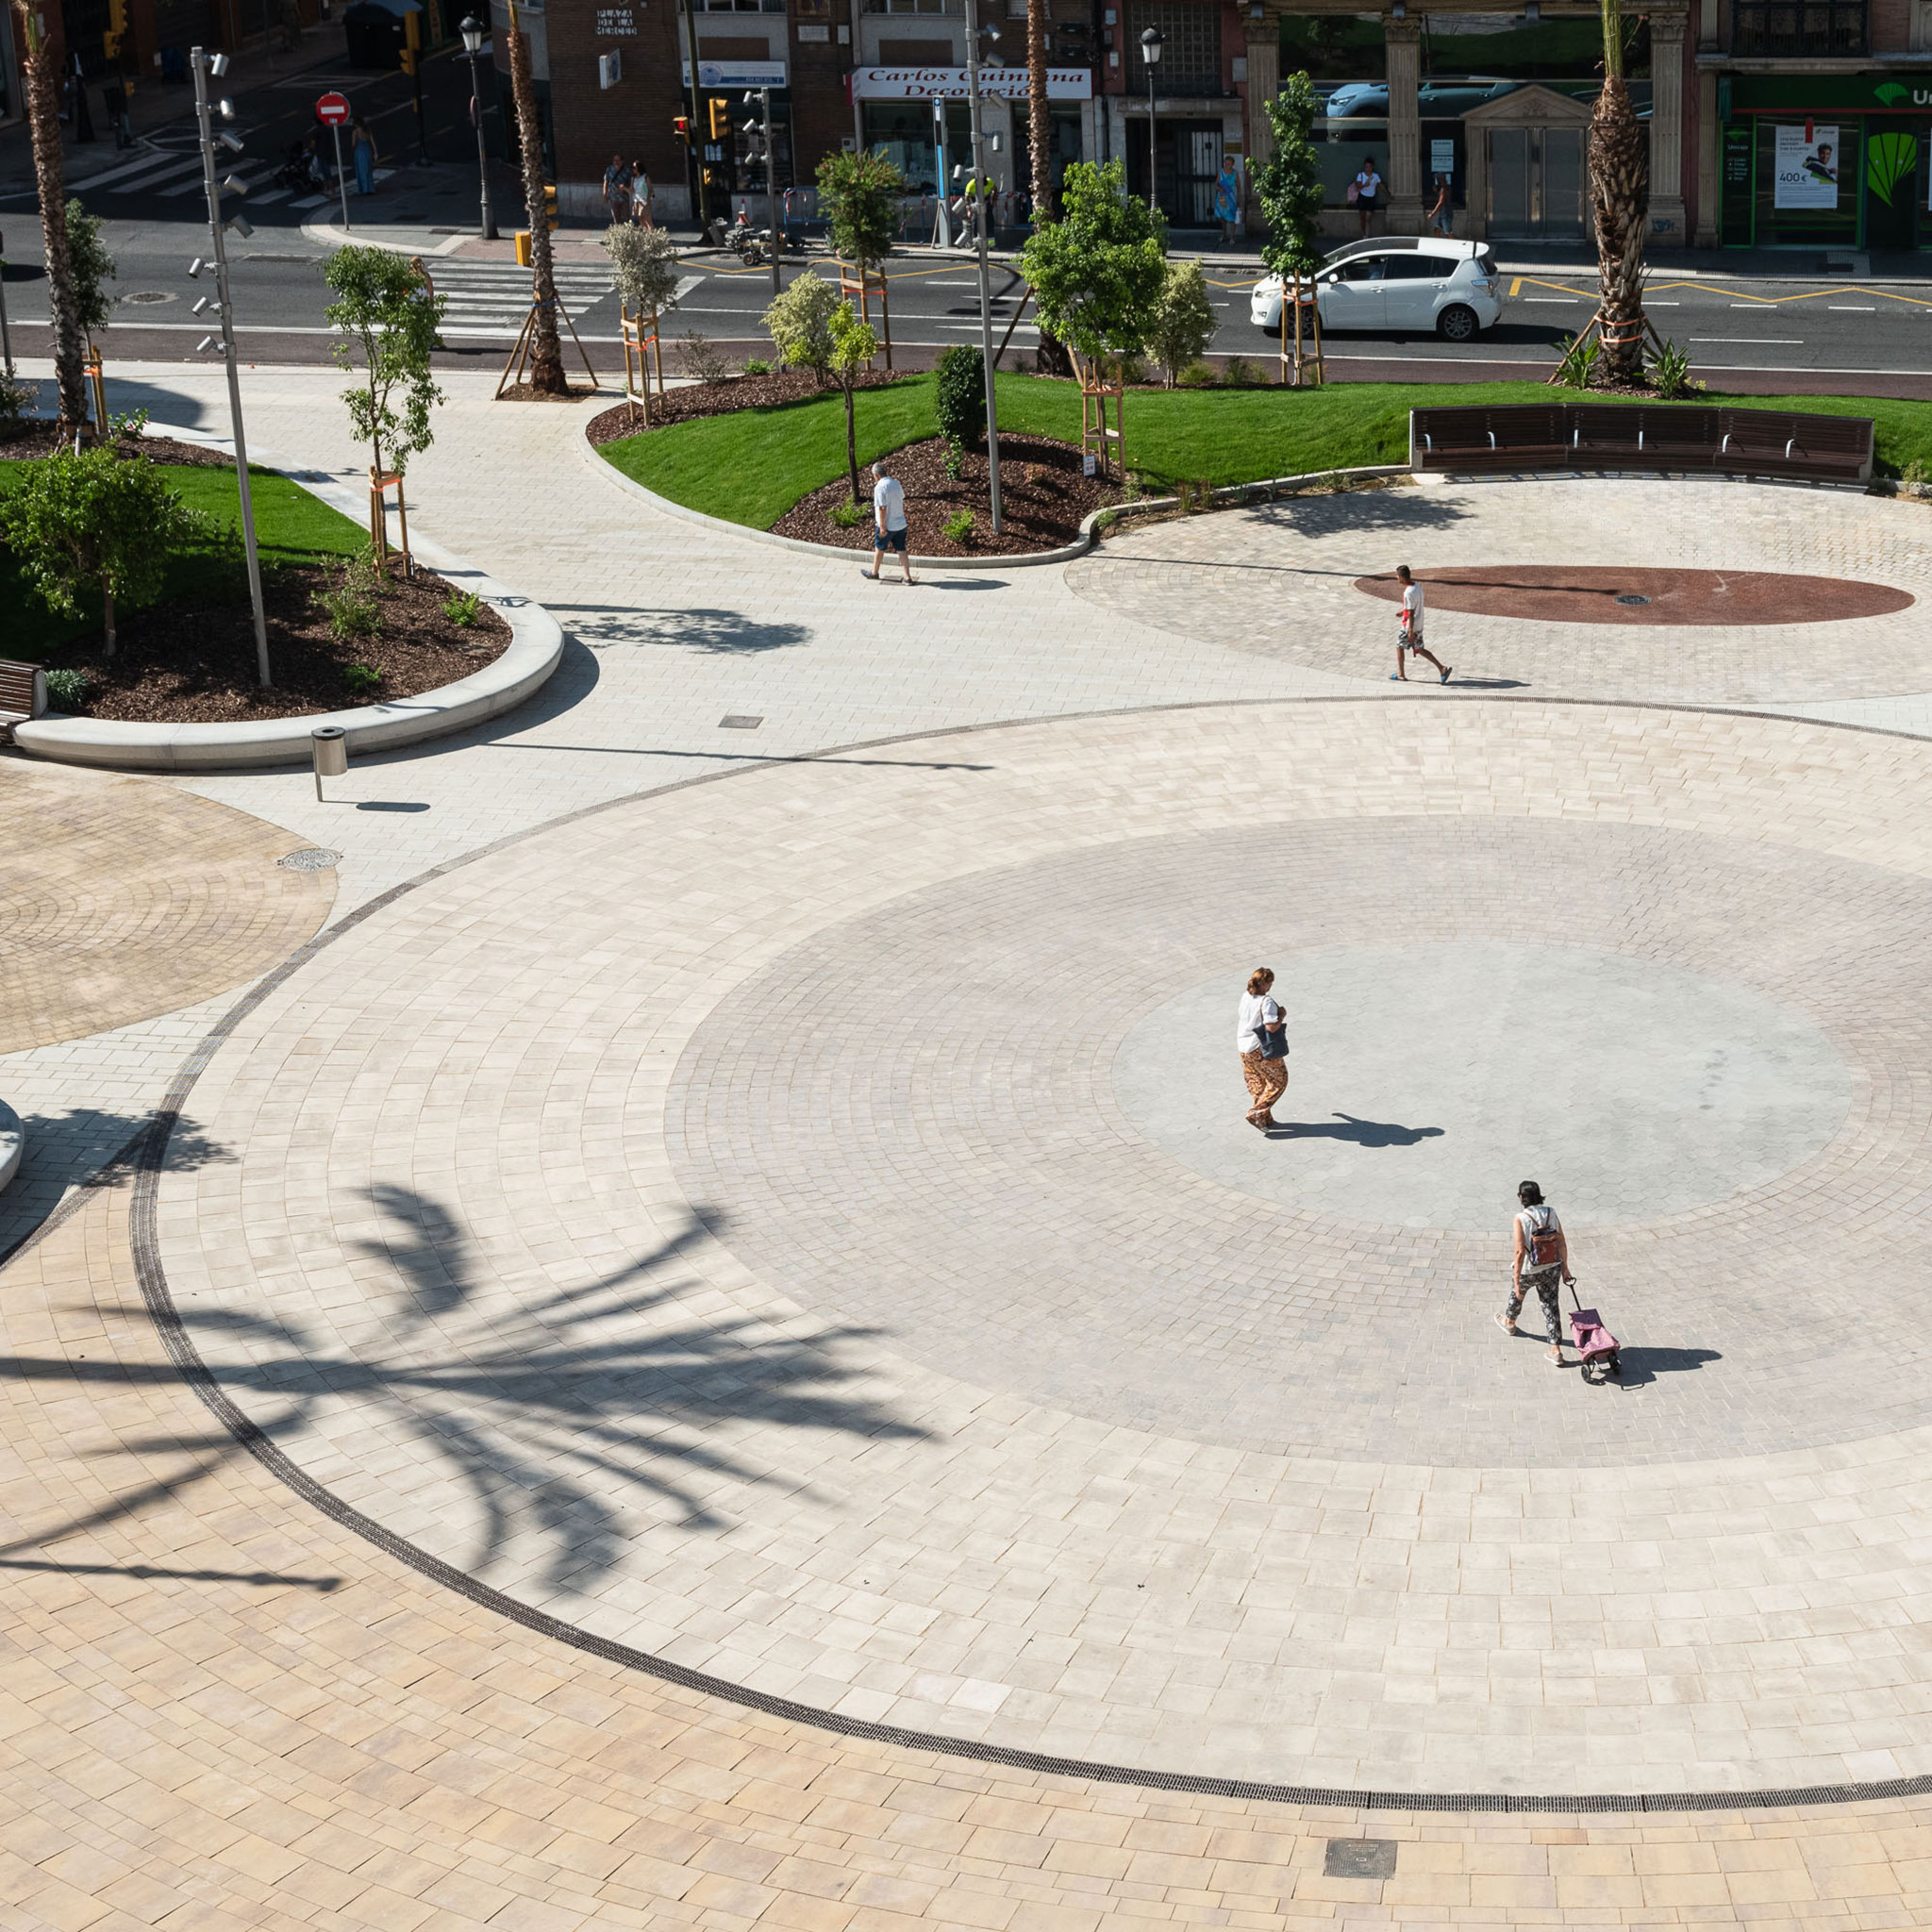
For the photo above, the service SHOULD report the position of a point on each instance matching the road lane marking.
(1757, 341)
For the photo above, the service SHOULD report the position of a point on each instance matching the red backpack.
(1544, 1242)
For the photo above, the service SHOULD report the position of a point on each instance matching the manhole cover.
(1630, 597)
(1359, 1857)
(148, 295)
(310, 858)
(739, 721)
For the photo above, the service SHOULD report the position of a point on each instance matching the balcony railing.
(1799, 29)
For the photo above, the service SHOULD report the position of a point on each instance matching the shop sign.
(949, 83)
(1805, 162)
(729, 74)
(617, 23)
(1858, 93)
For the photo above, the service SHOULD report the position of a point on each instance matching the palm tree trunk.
(41, 84)
(546, 363)
(1038, 119)
(1620, 201)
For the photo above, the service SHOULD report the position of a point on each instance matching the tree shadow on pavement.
(719, 633)
(569, 1417)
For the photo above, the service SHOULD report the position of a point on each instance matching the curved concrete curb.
(12, 1144)
(1230, 497)
(534, 651)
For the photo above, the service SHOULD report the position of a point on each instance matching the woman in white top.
(1261, 1040)
(1368, 192)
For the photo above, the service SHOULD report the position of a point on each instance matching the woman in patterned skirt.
(1262, 1039)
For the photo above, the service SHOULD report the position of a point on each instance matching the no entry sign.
(332, 110)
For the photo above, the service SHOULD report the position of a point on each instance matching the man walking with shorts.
(889, 522)
(1409, 637)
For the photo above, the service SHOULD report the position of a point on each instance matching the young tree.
(1620, 200)
(1288, 188)
(643, 263)
(800, 323)
(1098, 271)
(853, 344)
(41, 82)
(383, 305)
(546, 361)
(91, 520)
(859, 196)
(1184, 321)
(93, 266)
(959, 395)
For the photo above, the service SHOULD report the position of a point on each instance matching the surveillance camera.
(226, 108)
(234, 185)
(201, 305)
(228, 141)
(240, 227)
(195, 267)
(218, 66)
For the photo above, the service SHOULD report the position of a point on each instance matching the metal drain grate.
(1630, 597)
(309, 858)
(1359, 1857)
(147, 296)
(739, 721)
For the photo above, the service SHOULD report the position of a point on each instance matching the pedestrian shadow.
(940, 583)
(1363, 1133)
(717, 633)
(1638, 1367)
(569, 1418)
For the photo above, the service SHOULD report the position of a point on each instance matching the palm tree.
(546, 363)
(1039, 120)
(44, 116)
(1620, 199)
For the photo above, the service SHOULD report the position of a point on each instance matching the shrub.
(757, 365)
(1182, 323)
(958, 526)
(128, 426)
(1239, 373)
(800, 323)
(16, 399)
(1196, 375)
(360, 680)
(1578, 362)
(702, 358)
(352, 601)
(68, 689)
(1670, 372)
(463, 609)
(848, 516)
(959, 395)
(956, 462)
(93, 520)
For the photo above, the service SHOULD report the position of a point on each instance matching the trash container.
(330, 746)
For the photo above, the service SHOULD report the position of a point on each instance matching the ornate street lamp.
(472, 31)
(1151, 43)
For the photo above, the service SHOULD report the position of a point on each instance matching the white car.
(1389, 283)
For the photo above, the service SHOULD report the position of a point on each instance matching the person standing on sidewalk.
(1542, 1259)
(1409, 637)
(1366, 192)
(617, 192)
(362, 152)
(889, 522)
(1261, 1040)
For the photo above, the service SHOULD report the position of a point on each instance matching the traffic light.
(412, 40)
(681, 128)
(550, 208)
(720, 113)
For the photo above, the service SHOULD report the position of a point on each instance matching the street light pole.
(1152, 41)
(472, 31)
(979, 195)
(203, 65)
(772, 194)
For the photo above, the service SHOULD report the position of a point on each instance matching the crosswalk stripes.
(492, 298)
(147, 175)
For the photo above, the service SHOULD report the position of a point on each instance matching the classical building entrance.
(1527, 178)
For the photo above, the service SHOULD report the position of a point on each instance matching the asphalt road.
(1741, 332)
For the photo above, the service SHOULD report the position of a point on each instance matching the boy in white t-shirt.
(1409, 637)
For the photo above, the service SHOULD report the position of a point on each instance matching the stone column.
(1710, 145)
(1402, 45)
(1263, 50)
(1666, 33)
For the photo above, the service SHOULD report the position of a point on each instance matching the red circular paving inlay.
(1594, 595)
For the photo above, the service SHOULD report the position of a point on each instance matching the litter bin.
(330, 746)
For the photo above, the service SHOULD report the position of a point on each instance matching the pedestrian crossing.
(492, 298)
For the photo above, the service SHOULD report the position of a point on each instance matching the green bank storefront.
(1838, 160)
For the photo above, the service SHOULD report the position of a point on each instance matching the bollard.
(330, 744)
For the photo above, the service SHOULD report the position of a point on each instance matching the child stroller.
(1594, 1342)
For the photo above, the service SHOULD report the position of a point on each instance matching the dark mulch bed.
(522, 392)
(192, 660)
(721, 398)
(1043, 496)
(35, 439)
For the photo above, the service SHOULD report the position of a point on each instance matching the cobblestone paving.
(1279, 582)
(481, 1307)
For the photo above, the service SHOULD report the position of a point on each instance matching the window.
(915, 7)
(741, 5)
(1799, 29)
(1191, 53)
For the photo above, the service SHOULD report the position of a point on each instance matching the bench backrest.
(20, 690)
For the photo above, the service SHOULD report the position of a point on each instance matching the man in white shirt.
(889, 522)
(1409, 637)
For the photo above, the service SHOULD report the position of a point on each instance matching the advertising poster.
(1807, 163)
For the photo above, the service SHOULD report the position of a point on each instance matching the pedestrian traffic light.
(720, 113)
(681, 128)
(550, 220)
(412, 40)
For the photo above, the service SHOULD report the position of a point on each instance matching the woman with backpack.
(1543, 1259)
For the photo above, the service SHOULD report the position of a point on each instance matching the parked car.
(1392, 283)
(1436, 99)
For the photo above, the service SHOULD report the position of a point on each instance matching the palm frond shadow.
(569, 1417)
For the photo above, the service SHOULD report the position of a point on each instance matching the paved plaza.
(710, 1346)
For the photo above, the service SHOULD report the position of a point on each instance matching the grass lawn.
(751, 466)
(291, 526)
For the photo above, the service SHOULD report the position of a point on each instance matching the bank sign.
(1817, 94)
(949, 83)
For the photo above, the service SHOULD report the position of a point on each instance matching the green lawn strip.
(752, 465)
(290, 527)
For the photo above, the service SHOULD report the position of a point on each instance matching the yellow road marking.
(1516, 286)
(1734, 295)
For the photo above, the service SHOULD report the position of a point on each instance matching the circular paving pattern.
(725, 1222)
(1561, 593)
(1286, 581)
(126, 898)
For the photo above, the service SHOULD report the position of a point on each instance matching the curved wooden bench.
(22, 695)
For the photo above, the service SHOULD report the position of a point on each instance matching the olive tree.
(77, 521)
(800, 323)
(385, 306)
(1183, 323)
